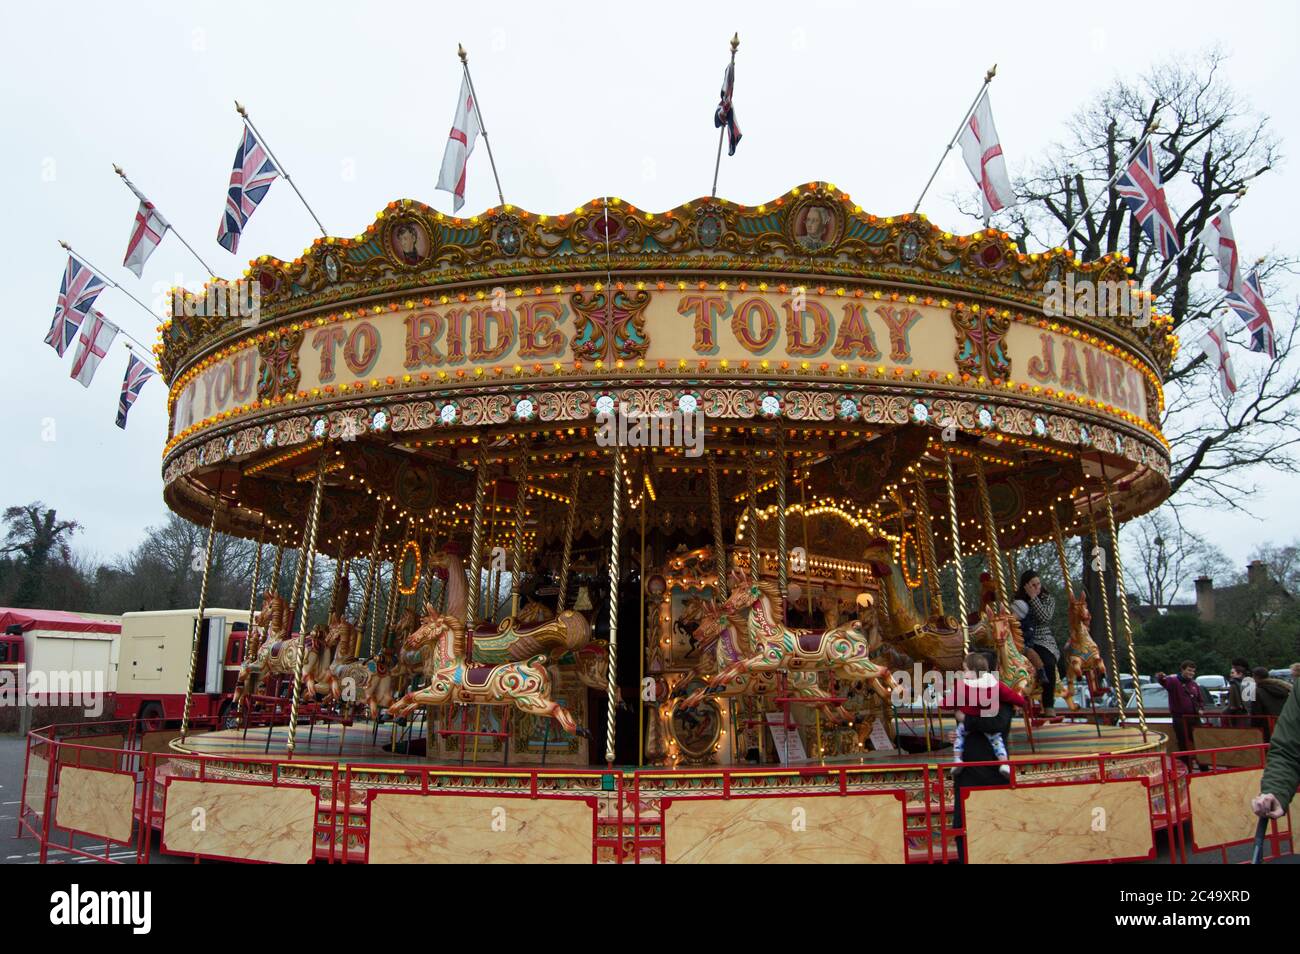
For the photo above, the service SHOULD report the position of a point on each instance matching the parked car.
(1216, 687)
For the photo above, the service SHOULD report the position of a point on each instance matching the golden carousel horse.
(449, 677)
(278, 653)
(845, 650)
(1014, 668)
(1082, 656)
(935, 642)
(721, 633)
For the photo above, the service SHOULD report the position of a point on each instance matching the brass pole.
(1111, 634)
(198, 622)
(372, 574)
(991, 536)
(782, 557)
(719, 544)
(517, 557)
(807, 554)
(956, 553)
(566, 559)
(925, 521)
(1122, 597)
(309, 553)
(476, 542)
(250, 643)
(611, 683)
(640, 707)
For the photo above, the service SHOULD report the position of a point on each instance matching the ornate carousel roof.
(405, 350)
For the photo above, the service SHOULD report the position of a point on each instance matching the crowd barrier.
(104, 796)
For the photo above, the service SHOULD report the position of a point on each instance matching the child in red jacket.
(980, 693)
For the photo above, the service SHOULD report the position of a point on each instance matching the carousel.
(668, 493)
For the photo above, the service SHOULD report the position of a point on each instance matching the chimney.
(1256, 573)
(1205, 598)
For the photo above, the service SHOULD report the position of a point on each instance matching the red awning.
(56, 620)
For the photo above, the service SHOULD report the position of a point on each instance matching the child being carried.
(980, 693)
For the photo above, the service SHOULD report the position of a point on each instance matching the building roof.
(59, 621)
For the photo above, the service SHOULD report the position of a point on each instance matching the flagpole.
(100, 273)
(464, 62)
(1105, 190)
(175, 231)
(1197, 240)
(988, 78)
(717, 163)
(279, 165)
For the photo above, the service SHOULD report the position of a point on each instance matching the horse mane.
(773, 594)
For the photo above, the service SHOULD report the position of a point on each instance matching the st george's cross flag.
(147, 231)
(137, 374)
(983, 154)
(1220, 242)
(725, 114)
(77, 293)
(460, 143)
(250, 180)
(1215, 346)
(1142, 189)
(97, 334)
(1248, 302)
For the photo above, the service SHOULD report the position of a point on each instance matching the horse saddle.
(809, 640)
(478, 676)
(277, 647)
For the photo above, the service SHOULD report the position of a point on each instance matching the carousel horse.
(277, 652)
(449, 677)
(1082, 656)
(1014, 668)
(280, 658)
(719, 632)
(512, 640)
(936, 642)
(845, 649)
(369, 681)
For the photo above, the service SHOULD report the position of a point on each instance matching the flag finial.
(993, 71)
(735, 42)
(240, 109)
(69, 247)
(118, 170)
(460, 51)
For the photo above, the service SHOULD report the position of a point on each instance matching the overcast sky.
(580, 100)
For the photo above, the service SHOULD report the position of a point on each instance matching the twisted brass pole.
(250, 643)
(956, 553)
(309, 553)
(198, 622)
(566, 560)
(611, 683)
(1122, 596)
(752, 488)
(1059, 542)
(925, 520)
(1110, 626)
(782, 557)
(372, 574)
(517, 557)
(476, 541)
(991, 536)
(807, 554)
(719, 544)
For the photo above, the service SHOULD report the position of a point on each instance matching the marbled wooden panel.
(463, 829)
(98, 803)
(1058, 824)
(248, 822)
(1209, 737)
(832, 829)
(1220, 805)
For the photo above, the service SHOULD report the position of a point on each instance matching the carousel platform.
(360, 744)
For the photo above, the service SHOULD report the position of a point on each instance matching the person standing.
(1241, 689)
(1034, 607)
(1282, 769)
(1270, 698)
(1184, 701)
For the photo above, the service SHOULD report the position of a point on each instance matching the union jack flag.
(725, 114)
(250, 179)
(137, 374)
(1248, 302)
(1141, 188)
(77, 293)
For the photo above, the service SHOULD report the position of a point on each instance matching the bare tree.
(1164, 556)
(1210, 140)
